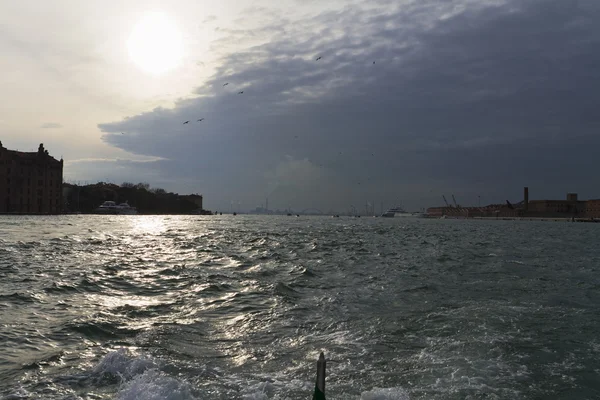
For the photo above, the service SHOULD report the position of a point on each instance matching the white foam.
(260, 391)
(155, 385)
(141, 379)
(19, 394)
(385, 394)
(256, 396)
(122, 364)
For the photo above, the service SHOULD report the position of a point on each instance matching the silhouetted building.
(194, 198)
(30, 183)
(571, 207)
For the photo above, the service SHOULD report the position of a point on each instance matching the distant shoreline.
(554, 219)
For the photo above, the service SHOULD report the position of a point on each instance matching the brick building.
(30, 183)
(592, 208)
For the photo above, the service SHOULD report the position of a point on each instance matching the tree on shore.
(87, 198)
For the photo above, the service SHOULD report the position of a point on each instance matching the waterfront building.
(194, 198)
(571, 207)
(30, 182)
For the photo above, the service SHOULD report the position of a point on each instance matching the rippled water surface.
(223, 307)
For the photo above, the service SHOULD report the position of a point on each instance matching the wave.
(18, 297)
(142, 378)
(28, 245)
(101, 330)
(420, 288)
(176, 270)
(121, 365)
(50, 359)
(285, 291)
(61, 288)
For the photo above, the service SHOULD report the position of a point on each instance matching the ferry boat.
(400, 212)
(111, 207)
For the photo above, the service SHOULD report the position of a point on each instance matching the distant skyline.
(409, 100)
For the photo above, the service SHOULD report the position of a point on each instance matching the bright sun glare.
(155, 44)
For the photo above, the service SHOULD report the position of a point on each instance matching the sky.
(410, 100)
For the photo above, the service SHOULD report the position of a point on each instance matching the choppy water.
(137, 307)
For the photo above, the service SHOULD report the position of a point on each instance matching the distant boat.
(110, 207)
(400, 212)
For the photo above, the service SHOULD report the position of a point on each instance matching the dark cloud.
(51, 125)
(479, 99)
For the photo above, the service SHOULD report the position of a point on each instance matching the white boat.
(400, 212)
(110, 207)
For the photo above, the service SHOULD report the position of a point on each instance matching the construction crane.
(446, 201)
(454, 200)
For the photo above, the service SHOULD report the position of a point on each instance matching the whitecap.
(385, 394)
(261, 391)
(155, 385)
(120, 363)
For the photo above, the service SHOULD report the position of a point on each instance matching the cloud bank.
(409, 100)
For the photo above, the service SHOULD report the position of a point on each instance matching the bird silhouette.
(242, 92)
(122, 133)
(318, 58)
(201, 119)
(373, 62)
(186, 122)
(225, 84)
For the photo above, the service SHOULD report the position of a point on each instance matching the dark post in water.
(320, 385)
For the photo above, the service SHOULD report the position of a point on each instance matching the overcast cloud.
(411, 100)
(408, 102)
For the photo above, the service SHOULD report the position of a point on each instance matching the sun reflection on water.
(148, 224)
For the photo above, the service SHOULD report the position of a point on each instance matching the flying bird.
(122, 133)
(201, 119)
(373, 62)
(225, 84)
(242, 92)
(318, 58)
(186, 122)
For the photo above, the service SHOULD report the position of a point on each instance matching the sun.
(155, 44)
